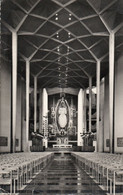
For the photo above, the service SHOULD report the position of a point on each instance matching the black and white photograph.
(61, 97)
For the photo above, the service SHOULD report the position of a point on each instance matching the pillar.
(85, 110)
(98, 103)
(22, 111)
(27, 104)
(40, 111)
(35, 103)
(90, 102)
(111, 90)
(14, 91)
(80, 117)
(45, 115)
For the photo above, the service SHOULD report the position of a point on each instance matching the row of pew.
(106, 169)
(18, 169)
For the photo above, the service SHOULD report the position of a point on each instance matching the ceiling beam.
(68, 90)
(50, 81)
(70, 70)
(51, 52)
(24, 18)
(108, 6)
(47, 19)
(19, 6)
(118, 27)
(7, 26)
(63, 5)
(72, 13)
(105, 24)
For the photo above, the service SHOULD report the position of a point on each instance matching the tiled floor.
(62, 176)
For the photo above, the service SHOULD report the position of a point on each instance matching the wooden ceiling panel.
(76, 45)
(31, 24)
(119, 40)
(74, 57)
(25, 48)
(48, 29)
(35, 40)
(95, 28)
(41, 64)
(91, 40)
(7, 39)
(98, 51)
(39, 55)
(25, 4)
(78, 29)
(86, 55)
(45, 8)
(82, 65)
(100, 5)
(120, 31)
(72, 66)
(81, 8)
(11, 14)
(50, 44)
(118, 19)
(35, 69)
(51, 56)
(91, 69)
(63, 2)
(112, 16)
(44, 73)
(53, 66)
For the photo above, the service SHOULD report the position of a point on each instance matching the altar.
(62, 146)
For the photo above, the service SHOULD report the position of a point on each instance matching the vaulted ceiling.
(62, 39)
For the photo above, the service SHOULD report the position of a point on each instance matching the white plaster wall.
(5, 104)
(118, 124)
(106, 113)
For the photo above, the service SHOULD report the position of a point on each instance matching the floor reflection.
(62, 176)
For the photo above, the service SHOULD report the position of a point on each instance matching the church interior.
(61, 97)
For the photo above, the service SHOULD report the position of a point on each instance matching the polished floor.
(62, 176)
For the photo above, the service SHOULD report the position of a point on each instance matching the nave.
(62, 173)
(62, 176)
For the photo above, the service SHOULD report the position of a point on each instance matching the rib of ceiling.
(62, 39)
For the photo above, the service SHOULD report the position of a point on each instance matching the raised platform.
(62, 146)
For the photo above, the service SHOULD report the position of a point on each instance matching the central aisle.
(62, 176)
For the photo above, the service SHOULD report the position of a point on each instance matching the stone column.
(111, 90)
(80, 117)
(14, 91)
(35, 103)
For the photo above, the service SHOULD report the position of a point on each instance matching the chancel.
(61, 100)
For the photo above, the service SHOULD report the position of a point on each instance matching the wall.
(5, 104)
(118, 124)
(106, 115)
(5, 109)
